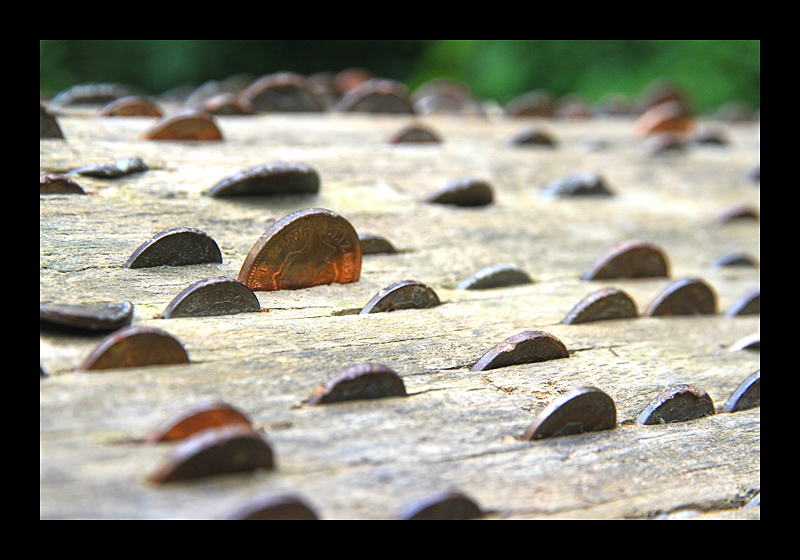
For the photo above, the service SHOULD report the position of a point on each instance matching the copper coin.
(748, 304)
(443, 506)
(360, 382)
(414, 134)
(93, 93)
(603, 305)
(495, 276)
(185, 125)
(688, 296)
(176, 247)
(523, 348)
(747, 394)
(372, 244)
(274, 507)
(581, 183)
(135, 347)
(377, 95)
(680, 403)
(306, 248)
(51, 183)
(466, 191)
(407, 294)
(630, 259)
(585, 409)
(536, 103)
(277, 178)
(131, 106)
(669, 117)
(227, 450)
(281, 92)
(212, 297)
(93, 317)
(197, 418)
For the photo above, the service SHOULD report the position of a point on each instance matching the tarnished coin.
(48, 125)
(533, 136)
(306, 248)
(119, 168)
(748, 304)
(212, 297)
(180, 246)
(281, 92)
(277, 178)
(414, 133)
(669, 117)
(581, 183)
(630, 259)
(688, 296)
(185, 125)
(377, 95)
(680, 403)
(407, 294)
(135, 347)
(747, 394)
(603, 305)
(51, 183)
(446, 505)
(372, 244)
(465, 191)
(197, 418)
(273, 507)
(360, 382)
(585, 409)
(495, 276)
(523, 348)
(131, 106)
(92, 317)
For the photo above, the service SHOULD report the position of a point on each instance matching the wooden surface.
(457, 429)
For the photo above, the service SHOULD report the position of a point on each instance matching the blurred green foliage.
(712, 72)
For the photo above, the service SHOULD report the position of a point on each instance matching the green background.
(712, 72)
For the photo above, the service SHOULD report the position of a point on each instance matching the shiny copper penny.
(51, 183)
(630, 259)
(414, 133)
(680, 403)
(270, 179)
(688, 296)
(377, 95)
(212, 297)
(227, 450)
(747, 395)
(466, 191)
(446, 505)
(495, 276)
(135, 347)
(131, 106)
(185, 125)
(195, 419)
(602, 305)
(91, 317)
(748, 304)
(306, 248)
(407, 294)
(360, 382)
(180, 246)
(523, 348)
(273, 507)
(584, 409)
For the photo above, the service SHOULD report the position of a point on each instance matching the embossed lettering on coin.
(211, 297)
(306, 248)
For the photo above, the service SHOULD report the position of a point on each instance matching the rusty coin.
(603, 305)
(581, 183)
(360, 382)
(51, 183)
(377, 95)
(197, 418)
(446, 505)
(407, 294)
(92, 317)
(522, 348)
(688, 296)
(185, 125)
(270, 179)
(372, 244)
(180, 246)
(131, 106)
(414, 133)
(135, 347)
(747, 394)
(306, 248)
(680, 403)
(277, 507)
(226, 450)
(584, 409)
(466, 191)
(630, 259)
(212, 297)
(748, 304)
(495, 276)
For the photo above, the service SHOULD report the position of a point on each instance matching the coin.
(630, 259)
(602, 305)
(212, 297)
(584, 409)
(195, 419)
(274, 178)
(179, 246)
(185, 125)
(680, 403)
(306, 248)
(687, 296)
(360, 382)
(522, 348)
(407, 294)
(135, 347)
(94, 317)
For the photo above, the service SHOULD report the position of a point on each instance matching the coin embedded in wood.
(669, 117)
(582, 183)
(495, 276)
(748, 304)
(270, 179)
(602, 305)
(212, 297)
(533, 136)
(197, 418)
(377, 95)
(372, 244)
(466, 191)
(231, 449)
(414, 134)
(360, 382)
(180, 246)
(281, 92)
(749, 342)
(688, 296)
(51, 183)
(584, 409)
(445, 505)
(91, 317)
(130, 106)
(630, 259)
(273, 507)
(185, 125)
(119, 168)
(747, 394)
(306, 248)
(523, 348)
(48, 125)
(680, 403)
(407, 294)
(135, 347)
